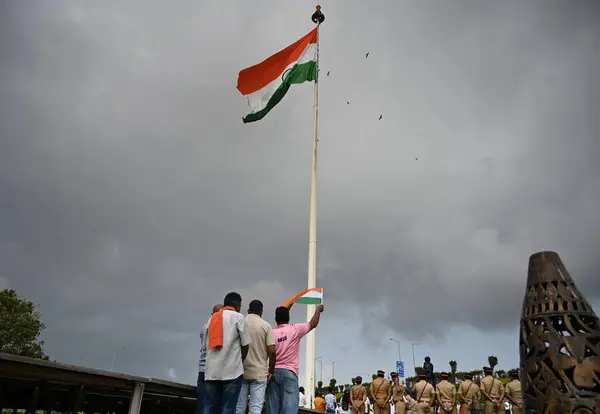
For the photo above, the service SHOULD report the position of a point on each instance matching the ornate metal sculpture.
(559, 344)
(317, 16)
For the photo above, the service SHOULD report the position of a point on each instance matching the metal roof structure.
(33, 384)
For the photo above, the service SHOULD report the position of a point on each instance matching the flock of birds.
(348, 102)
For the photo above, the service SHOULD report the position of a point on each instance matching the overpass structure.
(36, 385)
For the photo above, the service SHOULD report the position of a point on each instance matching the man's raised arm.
(316, 317)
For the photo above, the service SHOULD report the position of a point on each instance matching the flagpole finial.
(317, 16)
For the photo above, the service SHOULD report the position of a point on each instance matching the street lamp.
(321, 375)
(112, 365)
(413, 352)
(398, 342)
(333, 369)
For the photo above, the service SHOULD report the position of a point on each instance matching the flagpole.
(317, 18)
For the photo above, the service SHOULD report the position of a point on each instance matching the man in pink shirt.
(282, 391)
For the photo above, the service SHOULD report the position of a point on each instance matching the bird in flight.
(380, 117)
(328, 73)
(367, 55)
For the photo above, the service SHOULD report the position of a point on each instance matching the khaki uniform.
(425, 395)
(514, 391)
(446, 394)
(397, 393)
(471, 395)
(495, 390)
(381, 390)
(358, 396)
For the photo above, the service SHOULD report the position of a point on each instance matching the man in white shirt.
(302, 397)
(226, 340)
(260, 362)
(330, 401)
(201, 367)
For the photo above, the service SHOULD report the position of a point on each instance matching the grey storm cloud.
(132, 198)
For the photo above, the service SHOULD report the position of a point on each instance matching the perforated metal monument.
(559, 342)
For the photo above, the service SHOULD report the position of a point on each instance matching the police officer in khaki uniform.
(358, 397)
(493, 390)
(381, 391)
(514, 393)
(425, 395)
(397, 395)
(469, 395)
(446, 395)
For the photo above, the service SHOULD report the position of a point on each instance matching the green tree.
(493, 361)
(20, 326)
(501, 373)
(453, 365)
(373, 376)
(320, 385)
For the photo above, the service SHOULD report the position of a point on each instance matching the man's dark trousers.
(200, 393)
(221, 396)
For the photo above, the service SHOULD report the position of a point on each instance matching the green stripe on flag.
(309, 301)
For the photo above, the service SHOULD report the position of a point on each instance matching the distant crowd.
(246, 365)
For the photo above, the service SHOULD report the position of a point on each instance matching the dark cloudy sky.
(132, 197)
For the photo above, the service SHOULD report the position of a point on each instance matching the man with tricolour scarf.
(226, 340)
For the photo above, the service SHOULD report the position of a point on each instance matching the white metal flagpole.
(317, 18)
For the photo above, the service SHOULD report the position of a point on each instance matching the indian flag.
(312, 296)
(264, 85)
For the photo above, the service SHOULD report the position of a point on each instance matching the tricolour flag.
(265, 84)
(312, 296)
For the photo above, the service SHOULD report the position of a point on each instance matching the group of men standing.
(444, 394)
(247, 364)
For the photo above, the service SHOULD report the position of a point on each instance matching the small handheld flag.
(312, 296)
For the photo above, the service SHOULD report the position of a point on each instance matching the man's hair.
(302, 390)
(282, 315)
(232, 299)
(255, 306)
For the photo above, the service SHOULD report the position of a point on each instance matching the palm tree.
(493, 361)
(453, 365)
